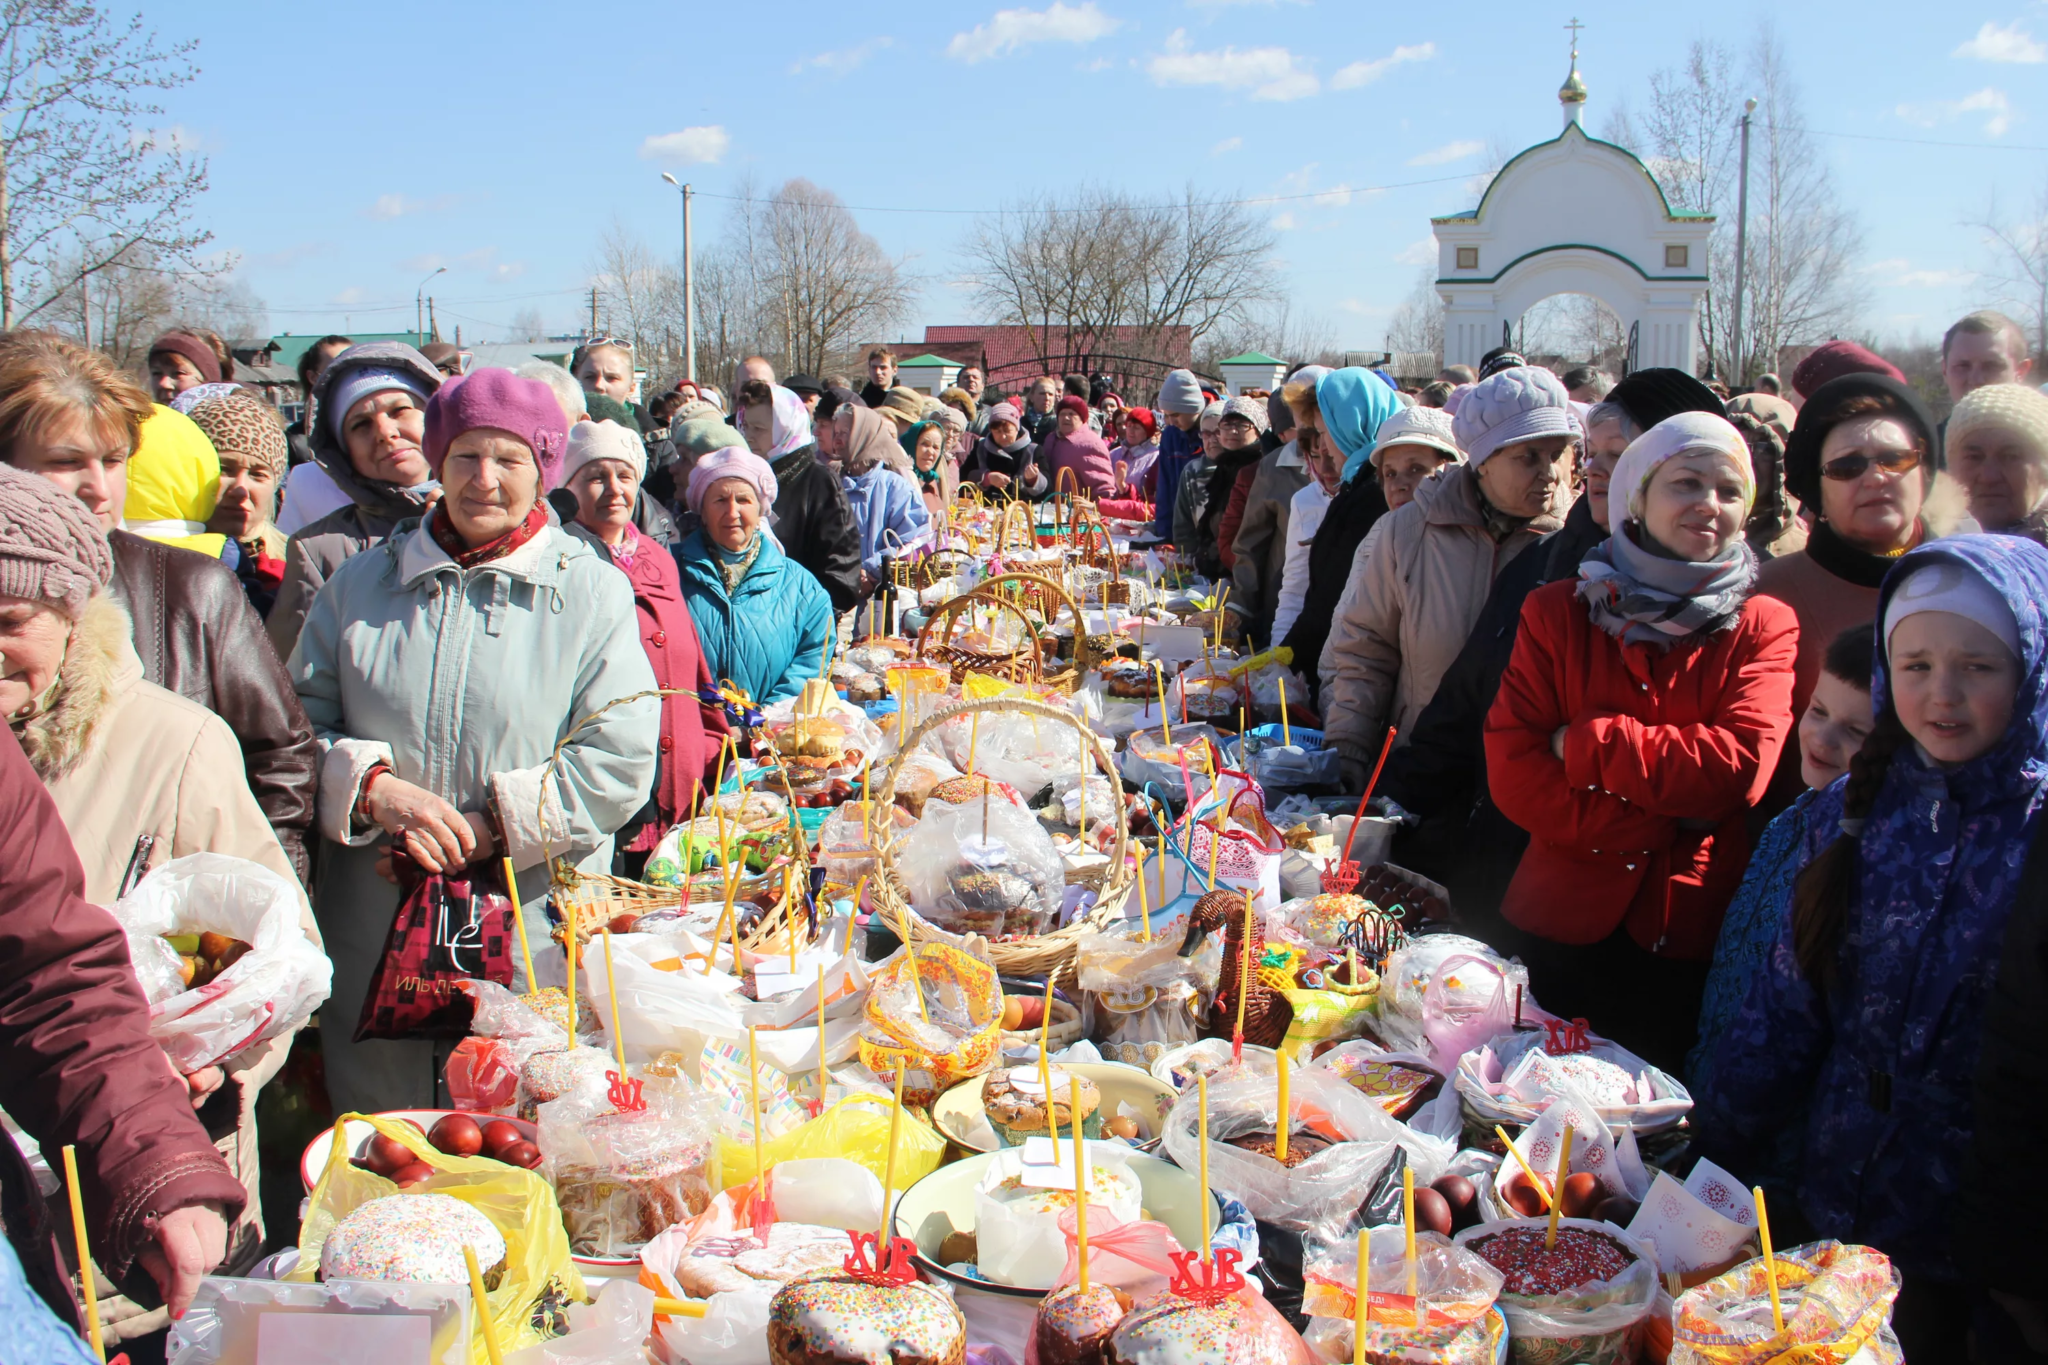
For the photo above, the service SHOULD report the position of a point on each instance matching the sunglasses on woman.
(1849, 468)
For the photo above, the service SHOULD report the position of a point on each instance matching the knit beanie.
(1005, 412)
(192, 348)
(246, 426)
(697, 437)
(1685, 433)
(1144, 417)
(359, 382)
(731, 462)
(2010, 407)
(51, 546)
(1649, 396)
(1251, 409)
(605, 440)
(1180, 391)
(1075, 404)
(173, 482)
(1823, 413)
(1418, 426)
(1835, 359)
(498, 400)
(1521, 403)
(600, 408)
(1769, 409)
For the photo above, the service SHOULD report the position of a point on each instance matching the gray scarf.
(1646, 598)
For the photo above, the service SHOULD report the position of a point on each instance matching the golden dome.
(1573, 91)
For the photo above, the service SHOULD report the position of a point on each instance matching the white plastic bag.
(1512, 1077)
(607, 1332)
(270, 991)
(733, 1332)
(1018, 1239)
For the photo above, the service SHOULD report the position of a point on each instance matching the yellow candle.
(681, 1308)
(1280, 1128)
(1080, 1178)
(1523, 1162)
(611, 983)
(1144, 911)
(519, 922)
(821, 1038)
(1408, 1222)
(1215, 847)
(1082, 742)
(569, 947)
(1286, 733)
(1564, 1168)
(1202, 1133)
(1763, 1232)
(973, 740)
(1165, 727)
(789, 912)
(1045, 1065)
(754, 1099)
(889, 1166)
(85, 1279)
(1361, 1297)
(482, 1299)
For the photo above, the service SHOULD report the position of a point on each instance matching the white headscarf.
(792, 429)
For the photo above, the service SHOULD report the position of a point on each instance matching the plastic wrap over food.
(623, 1176)
(1017, 1226)
(1006, 882)
(1585, 1303)
(1445, 1315)
(245, 1322)
(1837, 1301)
(267, 980)
(1514, 1076)
(1429, 1005)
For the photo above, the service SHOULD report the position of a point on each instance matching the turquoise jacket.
(768, 635)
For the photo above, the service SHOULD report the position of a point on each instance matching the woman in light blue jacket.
(440, 669)
(761, 618)
(887, 506)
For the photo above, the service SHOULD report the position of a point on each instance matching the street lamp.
(689, 288)
(419, 303)
(1741, 242)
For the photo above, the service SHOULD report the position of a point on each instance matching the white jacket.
(1305, 513)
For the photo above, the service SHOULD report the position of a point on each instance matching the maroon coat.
(690, 731)
(77, 1064)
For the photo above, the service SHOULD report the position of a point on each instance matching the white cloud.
(1012, 30)
(1446, 154)
(1898, 272)
(1228, 4)
(1989, 101)
(840, 62)
(701, 145)
(398, 205)
(1365, 73)
(352, 294)
(1283, 222)
(1229, 144)
(2009, 44)
(1422, 251)
(1268, 73)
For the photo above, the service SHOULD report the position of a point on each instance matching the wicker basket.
(1037, 955)
(1022, 664)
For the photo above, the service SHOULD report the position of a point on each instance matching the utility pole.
(1741, 376)
(689, 287)
(419, 320)
(433, 327)
(593, 312)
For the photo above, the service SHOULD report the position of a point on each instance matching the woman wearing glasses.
(1861, 461)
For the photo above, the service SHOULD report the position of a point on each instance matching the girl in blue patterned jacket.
(1870, 1005)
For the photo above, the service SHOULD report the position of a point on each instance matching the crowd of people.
(1726, 713)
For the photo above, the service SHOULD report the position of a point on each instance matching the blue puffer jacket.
(1888, 1059)
(768, 635)
(890, 514)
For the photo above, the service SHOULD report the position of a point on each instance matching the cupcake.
(412, 1237)
(1015, 1104)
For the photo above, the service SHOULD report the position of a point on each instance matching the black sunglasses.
(1848, 468)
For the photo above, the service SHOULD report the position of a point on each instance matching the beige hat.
(904, 404)
(1417, 426)
(2018, 408)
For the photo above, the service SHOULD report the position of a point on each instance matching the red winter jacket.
(1666, 751)
(77, 1064)
(690, 731)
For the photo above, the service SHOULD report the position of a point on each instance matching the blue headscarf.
(1354, 401)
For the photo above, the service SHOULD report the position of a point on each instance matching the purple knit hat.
(499, 399)
(51, 547)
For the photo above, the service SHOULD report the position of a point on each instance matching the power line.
(1334, 192)
(1912, 141)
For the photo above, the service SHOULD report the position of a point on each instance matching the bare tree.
(825, 285)
(1802, 241)
(121, 306)
(1418, 322)
(526, 325)
(2019, 262)
(1276, 329)
(83, 180)
(1575, 329)
(1103, 274)
(639, 295)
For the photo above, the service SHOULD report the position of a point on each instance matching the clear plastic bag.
(917, 772)
(1379, 1075)
(1363, 1141)
(1837, 1302)
(986, 867)
(607, 1332)
(1018, 1239)
(1429, 1005)
(1149, 757)
(1020, 750)
(359, 1319)
(269, 991)
(956, 1035)
(734, 1331)
(1600, 1322)
(624, 1177)
(484, 1068)
(1444, 1317)
(1286, 759)
(1512, 1077)
(1146, 997)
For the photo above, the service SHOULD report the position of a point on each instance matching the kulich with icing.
(836, 1319)
(412, 1237)
(1073, 1328)
(1167, 1329)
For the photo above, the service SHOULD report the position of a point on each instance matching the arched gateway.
(1574, 215)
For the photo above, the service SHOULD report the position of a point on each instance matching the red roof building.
(1012, 356)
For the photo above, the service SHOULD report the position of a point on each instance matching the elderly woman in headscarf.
(933, 449)
(462, 676)
(1075, 447)
(1414, 600)
(887, 506)
(813, 520)
(250, 443)
(371, 404)
(1639, 720)
(762, 620)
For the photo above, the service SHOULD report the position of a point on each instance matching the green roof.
(290, 348)
(1253, 358)
(927, 362)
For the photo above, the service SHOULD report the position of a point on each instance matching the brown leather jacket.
(197, 636)
(77, 1064)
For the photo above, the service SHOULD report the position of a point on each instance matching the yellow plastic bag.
(519, 1204)
(856, 1128)
(961, 1036)
(1335, 1012)
(1841, 1311)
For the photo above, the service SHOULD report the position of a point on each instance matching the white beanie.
(1956, 588)
(1417, 426)
(1686, 433)
(1522, 403)
(605, 440)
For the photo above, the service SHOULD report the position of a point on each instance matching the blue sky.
(354, 149)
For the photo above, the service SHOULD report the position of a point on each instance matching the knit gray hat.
(1251, 409)
(1524, 403)
(51, 547)
(699, 436)
(1180, 391)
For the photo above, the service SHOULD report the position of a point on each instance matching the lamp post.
(689, 288)
(419, 297)
(1742, 241)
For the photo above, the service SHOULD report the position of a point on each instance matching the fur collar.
(99, 665)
